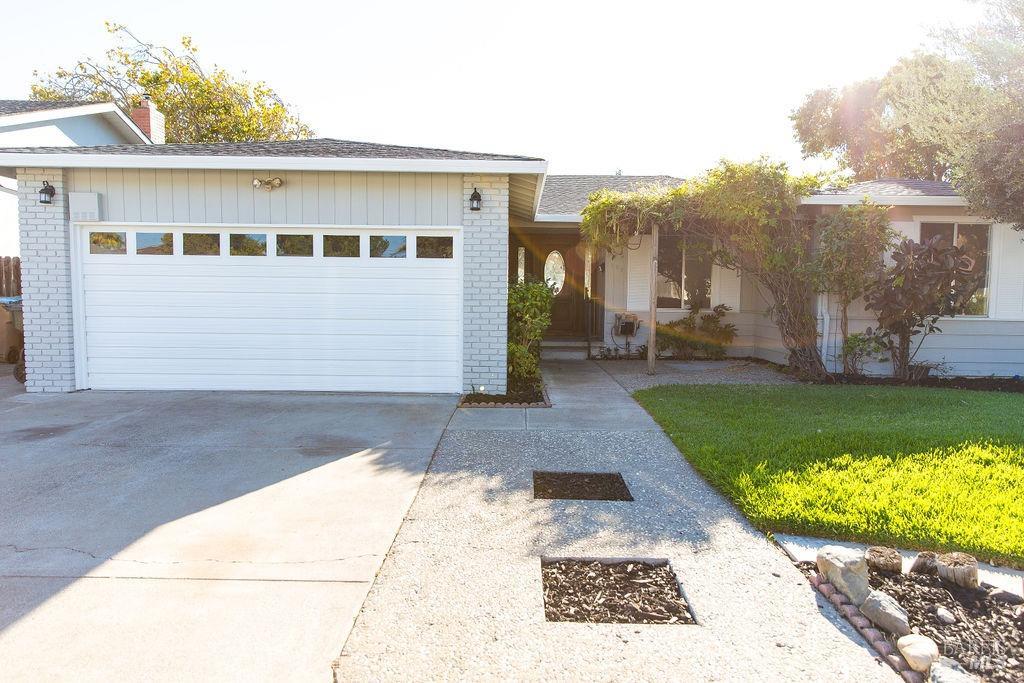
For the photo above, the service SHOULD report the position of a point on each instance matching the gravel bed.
(632, 375)
(629, 592)
(987, 637)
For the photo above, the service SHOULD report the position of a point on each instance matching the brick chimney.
(147, 117)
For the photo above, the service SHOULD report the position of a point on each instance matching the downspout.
(826, 327)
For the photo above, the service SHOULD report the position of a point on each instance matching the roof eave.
(558, 218)
(887, 200)
(166, 161)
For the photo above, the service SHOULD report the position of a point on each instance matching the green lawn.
(919, 468)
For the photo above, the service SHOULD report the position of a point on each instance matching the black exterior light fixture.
(475, 200)
(46, 193)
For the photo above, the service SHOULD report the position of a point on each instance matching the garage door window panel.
(341, 246)
(248, 244)
(294, 245)
(435, 247)
(154, 243)
(108, 243)
(201, 244)
(387, 246)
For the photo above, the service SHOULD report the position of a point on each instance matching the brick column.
(485, 284)
(46, 282)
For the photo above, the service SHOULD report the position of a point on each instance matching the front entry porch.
(560, 258)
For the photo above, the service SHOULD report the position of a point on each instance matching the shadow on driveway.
(198, 535)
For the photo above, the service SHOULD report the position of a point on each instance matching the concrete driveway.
(197, 536)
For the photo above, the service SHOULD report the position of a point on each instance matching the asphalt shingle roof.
(567, 194)
(898, 187)
(320, 147)
(24, 106)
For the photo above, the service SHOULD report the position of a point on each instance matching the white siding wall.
(627, 289)
(966, 346)
(307, 197)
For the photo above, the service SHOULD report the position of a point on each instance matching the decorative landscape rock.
(846, 570)
(924, 563)
(882, 609)
(946, 670)
(944, 616)
(919, 651)
(884, 559)
(958, 568)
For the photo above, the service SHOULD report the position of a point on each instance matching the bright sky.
(593, 86)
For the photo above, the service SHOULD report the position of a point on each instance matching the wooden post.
(653, 331)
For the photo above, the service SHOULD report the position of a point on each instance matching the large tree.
(990, 168)
(200, 104)
(907, 124)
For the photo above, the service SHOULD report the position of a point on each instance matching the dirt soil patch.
(987, 637)
(580, 486)
(1007, 384)
(628, 592)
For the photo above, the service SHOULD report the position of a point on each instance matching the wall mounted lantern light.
(268, 184)
(475, 200)
(46, 193)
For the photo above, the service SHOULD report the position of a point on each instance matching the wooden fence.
(10, 276)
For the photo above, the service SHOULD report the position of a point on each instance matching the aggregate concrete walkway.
(171, 536)
(460, 597)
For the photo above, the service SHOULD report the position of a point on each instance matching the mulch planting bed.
(530, 397)
(1006, 384)
(625, 592)
(987, 637)
(580, 486)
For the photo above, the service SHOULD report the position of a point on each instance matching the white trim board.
(886, 200)
(273, 163)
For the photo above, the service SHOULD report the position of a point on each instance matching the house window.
(684, 274)
(521, 264)
(248, 245)
(154, 243)
(554, 272)
(973, 238)
(294, 245)
(434, 247)
(107, 243)
(341, 246)
(200, 244)
(387, 246)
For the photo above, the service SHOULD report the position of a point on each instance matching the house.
(343, 266)
(987, 341)
(27, 123)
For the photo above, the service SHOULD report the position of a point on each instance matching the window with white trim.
(684, 273)
(974, 239)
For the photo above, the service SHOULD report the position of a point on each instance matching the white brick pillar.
(46, 281)
(485, 284)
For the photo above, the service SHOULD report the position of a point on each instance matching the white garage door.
(259, 309)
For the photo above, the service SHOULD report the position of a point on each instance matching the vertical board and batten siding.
(305, 198)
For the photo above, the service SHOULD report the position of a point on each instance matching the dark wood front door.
(558, 260)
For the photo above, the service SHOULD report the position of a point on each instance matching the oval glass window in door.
(554, 272)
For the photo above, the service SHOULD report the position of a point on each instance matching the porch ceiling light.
(46, 193)
(475, 200)
(267, 184)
